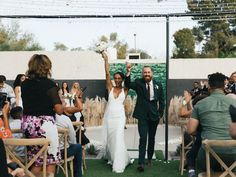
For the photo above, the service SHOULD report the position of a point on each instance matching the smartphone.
(83, 89)
(232, 111)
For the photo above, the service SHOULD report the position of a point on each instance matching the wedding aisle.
(132, 138)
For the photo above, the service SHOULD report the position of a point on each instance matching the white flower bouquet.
(101, 46)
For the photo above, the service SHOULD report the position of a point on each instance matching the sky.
(150, 32)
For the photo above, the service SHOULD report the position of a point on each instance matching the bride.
(114, 121)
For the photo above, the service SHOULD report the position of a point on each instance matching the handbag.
(4, 132)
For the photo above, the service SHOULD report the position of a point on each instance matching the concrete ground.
(132, 137)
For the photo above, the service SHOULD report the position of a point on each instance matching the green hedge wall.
(159, 72)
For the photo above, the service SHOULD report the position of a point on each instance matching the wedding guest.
(186, 108)
(192, 155)
(16, 114)
(75, 88)
(232, 130)
(5, 171)
(212, 113)
(5, 88)
(17, 88)
(5, 131)
(73, 148)
(232, 127)
(233, 83)
(64, 88)
(227, 86)
(41, 101)
(196, 90)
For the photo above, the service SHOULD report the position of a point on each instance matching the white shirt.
(151, 90)
(16, 124)
(62, 121)
(10, 94)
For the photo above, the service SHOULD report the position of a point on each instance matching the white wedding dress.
(113, 131)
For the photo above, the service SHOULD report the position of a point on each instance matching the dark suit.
(148, 114)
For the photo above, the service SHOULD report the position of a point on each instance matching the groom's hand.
(128, 68)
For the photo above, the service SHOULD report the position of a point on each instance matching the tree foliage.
(13, 39)
(121, 46)
(185, 44)
(216, 32)
(113, 41)
(60, 46)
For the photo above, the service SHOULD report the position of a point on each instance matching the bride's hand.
(104, 55)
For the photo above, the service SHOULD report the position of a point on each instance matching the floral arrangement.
(69, 96)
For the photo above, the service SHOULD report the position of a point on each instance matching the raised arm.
(78, 104)
(5, 112)
(128, 83)
(107, 71)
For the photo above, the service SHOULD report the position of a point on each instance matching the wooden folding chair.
(15, 131)
(79, 126)
(208, 144)
(9, 142)
(63, 136)
(185, 148)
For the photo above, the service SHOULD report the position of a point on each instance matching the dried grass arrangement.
(173, 111)
(94, 109)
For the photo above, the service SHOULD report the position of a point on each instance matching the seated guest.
(212, 113)
(232, 87)
(196, 90)
(84, 139)
(8, 90)
(5, 170)
(16, 114)
(75, 114)
(74, 148)
(6, 133)
(192, 155)
(232, 128)
(186, 108)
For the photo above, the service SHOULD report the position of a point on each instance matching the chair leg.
(66, 169)
(71, 168)
(83, 156)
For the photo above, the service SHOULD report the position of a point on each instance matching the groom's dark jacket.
(144, 107)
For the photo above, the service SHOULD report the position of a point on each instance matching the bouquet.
(101, 46)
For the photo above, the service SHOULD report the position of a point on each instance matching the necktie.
(148, 90)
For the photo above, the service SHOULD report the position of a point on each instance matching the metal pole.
(135, 42)
(167, 78)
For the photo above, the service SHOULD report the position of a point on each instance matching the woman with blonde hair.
(41, 101)
(75, 88)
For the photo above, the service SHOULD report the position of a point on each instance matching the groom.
(149, 95)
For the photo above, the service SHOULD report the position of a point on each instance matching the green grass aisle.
(99, 168)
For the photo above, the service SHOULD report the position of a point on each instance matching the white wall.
(200, 68)
(65, 65)
(86, 65)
